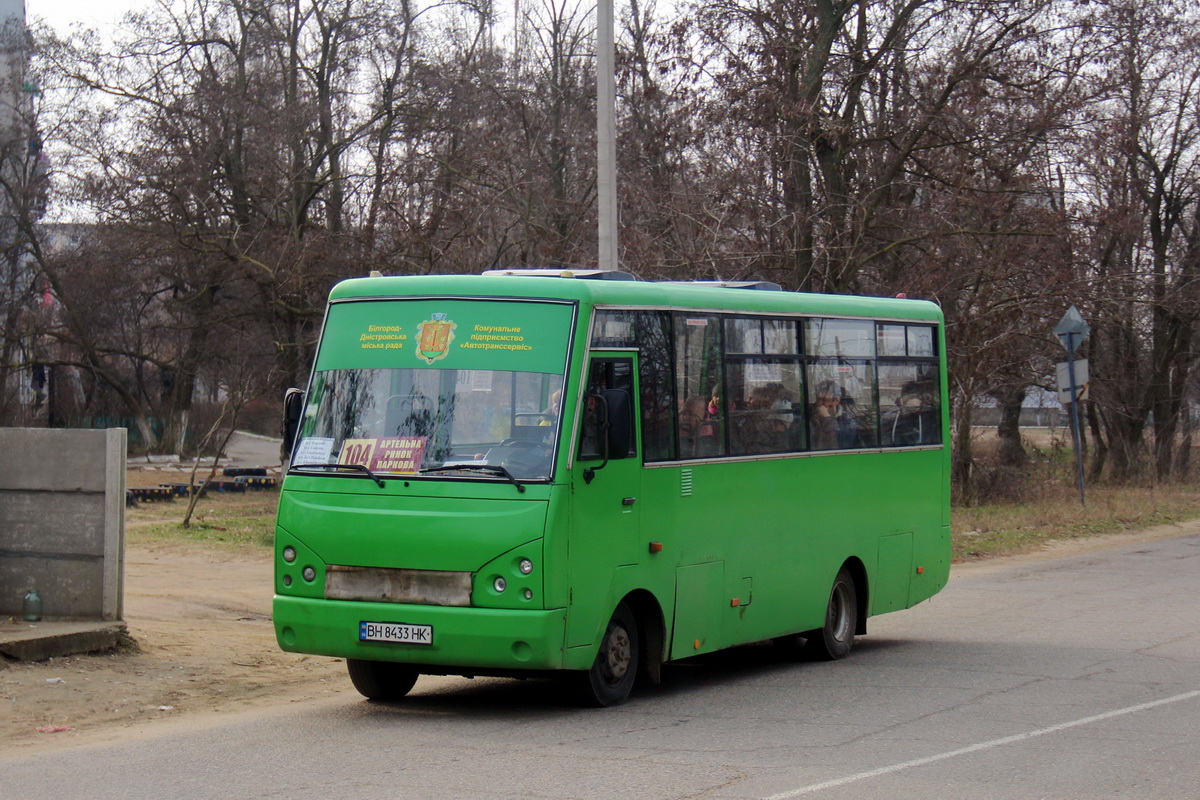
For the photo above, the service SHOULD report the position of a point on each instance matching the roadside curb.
(43, 640)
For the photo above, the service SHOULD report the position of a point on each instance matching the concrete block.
(62, 521)
(54, 459)
(52, 523)
(70, 588)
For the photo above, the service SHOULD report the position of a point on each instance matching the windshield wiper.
(494, 469)
(357, 467)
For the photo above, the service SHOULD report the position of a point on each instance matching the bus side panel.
(931, 556)
(554, 572)
(783, 528)
(741, 514)
(893, 575)
(698, 591)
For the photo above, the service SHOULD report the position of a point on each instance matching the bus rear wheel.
(611, 677)
(834, 640)
(381, 680)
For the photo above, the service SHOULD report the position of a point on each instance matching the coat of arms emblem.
(434, 337)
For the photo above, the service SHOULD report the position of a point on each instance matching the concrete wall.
(62, 521)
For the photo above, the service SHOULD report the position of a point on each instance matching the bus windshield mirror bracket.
(601, 406)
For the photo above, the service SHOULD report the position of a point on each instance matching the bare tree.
(1140, 166)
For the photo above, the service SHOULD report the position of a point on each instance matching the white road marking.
(975, 748)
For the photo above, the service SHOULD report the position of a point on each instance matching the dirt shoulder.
(200, 617)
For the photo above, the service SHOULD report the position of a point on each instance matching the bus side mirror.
(293, 410)
(620, 423)
(615, 423)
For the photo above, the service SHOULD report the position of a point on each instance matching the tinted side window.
(908, 404)
(698, 385)
(839, 338)
(764, 384)
(657, 396)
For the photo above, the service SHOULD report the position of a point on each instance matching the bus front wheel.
(611, 677)
(381, 680)
(834, 640)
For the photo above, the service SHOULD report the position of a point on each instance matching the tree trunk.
(1011, 453)
(962, 461)
(1101, 455)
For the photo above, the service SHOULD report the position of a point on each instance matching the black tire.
(836, 637)
(381, 680)
(613, 673)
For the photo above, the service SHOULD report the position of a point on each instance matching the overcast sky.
(92, 13)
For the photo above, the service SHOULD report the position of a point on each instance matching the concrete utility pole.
(606, 137)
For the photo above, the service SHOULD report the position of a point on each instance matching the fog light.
(499, 584)
(526, 566)
(287, 580)
(529, 594)
(309, 574)
(289, 554)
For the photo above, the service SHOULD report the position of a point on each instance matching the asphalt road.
(1073, 678)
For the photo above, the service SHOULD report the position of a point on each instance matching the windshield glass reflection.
(401, 421)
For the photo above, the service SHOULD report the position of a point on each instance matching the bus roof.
(633, 293)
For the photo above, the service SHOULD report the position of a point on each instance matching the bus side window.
(909, 392)
(908, 403)
(699, 385)
(657, 395)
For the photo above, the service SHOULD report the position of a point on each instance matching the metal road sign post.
(1071, 331)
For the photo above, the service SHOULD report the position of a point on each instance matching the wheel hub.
(617, 652)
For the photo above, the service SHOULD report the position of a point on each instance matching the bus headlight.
(526, 566)
(499, 584)
(289, 554)
(309, 574)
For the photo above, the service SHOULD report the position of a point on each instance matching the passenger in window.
(825, 413)
(692, 413)
(763, 397)
(706, 439)
(773, 397)
(913, 421)
(915, 394)
(761, 429)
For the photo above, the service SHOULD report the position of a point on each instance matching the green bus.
(585, 475)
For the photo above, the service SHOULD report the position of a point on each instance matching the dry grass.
(1004, 529)
(1023, 510)
(237, 519)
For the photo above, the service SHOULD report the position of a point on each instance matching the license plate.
(399, 632)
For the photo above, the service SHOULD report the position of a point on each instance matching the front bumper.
(481, 638)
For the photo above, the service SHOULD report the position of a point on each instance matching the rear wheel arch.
(862, 591)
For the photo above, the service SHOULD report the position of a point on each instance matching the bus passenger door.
(605, 497)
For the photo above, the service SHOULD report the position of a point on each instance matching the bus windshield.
(404, 421)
